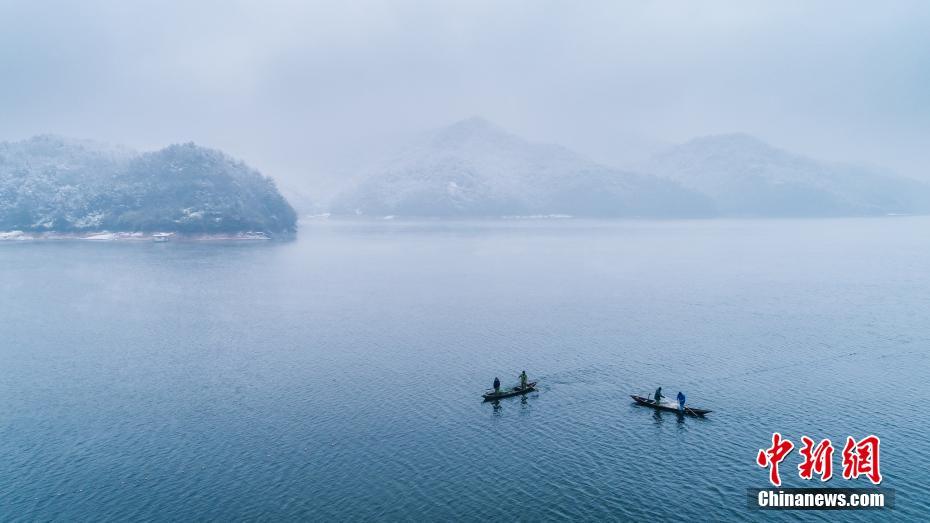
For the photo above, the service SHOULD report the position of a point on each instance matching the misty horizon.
(470, 168)
(307, 92)
(390, 146)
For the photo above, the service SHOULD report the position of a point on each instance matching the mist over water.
(339, 375)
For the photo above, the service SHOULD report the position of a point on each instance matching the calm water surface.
(338, 376)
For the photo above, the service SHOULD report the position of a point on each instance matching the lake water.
(339, 376)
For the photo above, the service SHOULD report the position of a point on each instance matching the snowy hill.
(747, 177)
(474, 168)
(49, 183)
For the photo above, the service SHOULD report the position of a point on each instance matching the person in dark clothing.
(659, 396)
(681, 401)
(497, 386)
(523, 380)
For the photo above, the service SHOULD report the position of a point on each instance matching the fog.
(303, 90)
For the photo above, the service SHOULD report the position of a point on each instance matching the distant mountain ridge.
(745, 176)
(474, 168)
(50, 183)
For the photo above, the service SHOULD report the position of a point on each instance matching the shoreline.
(155, 237)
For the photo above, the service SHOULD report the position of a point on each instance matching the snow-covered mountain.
(49, 183)
(747, 177)
(474, 168)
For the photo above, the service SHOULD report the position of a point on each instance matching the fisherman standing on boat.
(659, 396)
(681, 401)
(497, 385)
(523, 380)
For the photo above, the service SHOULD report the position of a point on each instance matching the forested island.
(53, 184)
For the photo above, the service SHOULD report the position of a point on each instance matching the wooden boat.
(691, 411)
(506, 393)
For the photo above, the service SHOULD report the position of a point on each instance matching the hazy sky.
(294, 87)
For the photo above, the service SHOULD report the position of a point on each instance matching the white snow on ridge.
(14, 235)
(103, 236)
(473, 168)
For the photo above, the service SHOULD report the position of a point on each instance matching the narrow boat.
(506, 393)
(691, 411)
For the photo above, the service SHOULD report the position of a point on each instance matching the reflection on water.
(657, 416)
(497, 406)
